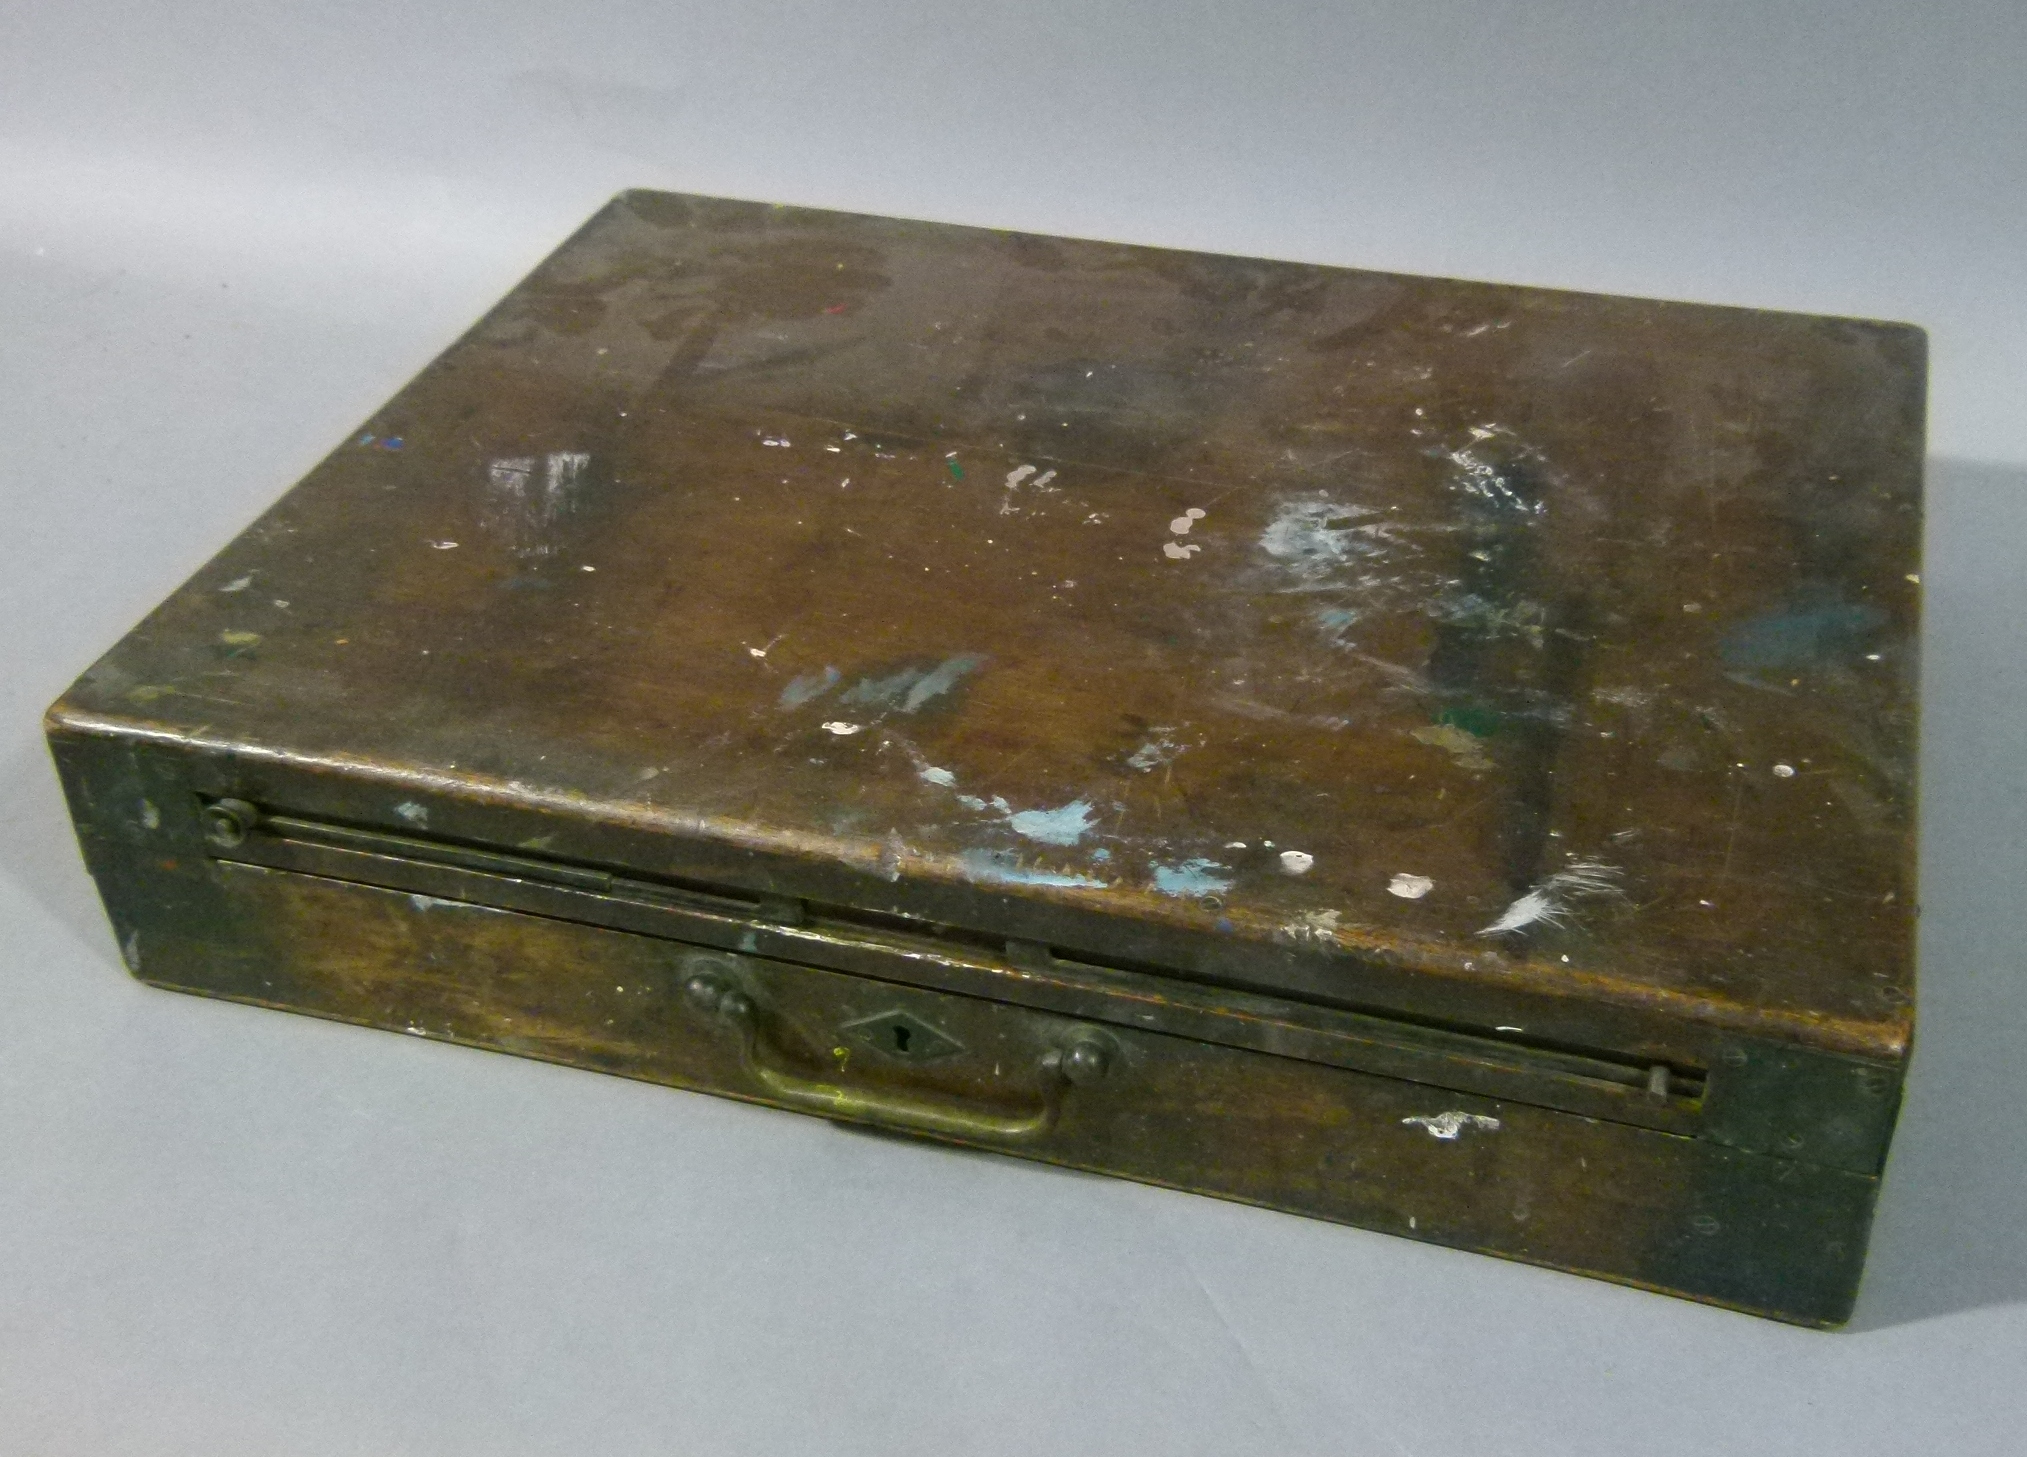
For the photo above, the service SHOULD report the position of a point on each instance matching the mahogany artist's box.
(1423, 754)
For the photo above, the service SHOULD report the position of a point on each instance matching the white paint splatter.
(1003, 867)
(414, 813)
(151, 817)
(444, 545)
(1549, 903)
(842, 729)
(1015, 478)
(1314, 536)
(1624, 697)
(775, 440)
(1446, 1126)
(1485, 479)
(934, 775)
(1181, 525)
(238, 584)
(1314, 928)
(1296, 862)
(1179, 553)
(1784, 771)
(1410, 887)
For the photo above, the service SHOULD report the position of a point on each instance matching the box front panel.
(1633, 1204)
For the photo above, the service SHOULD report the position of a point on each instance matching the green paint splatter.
(1481, 722)
(956, 470)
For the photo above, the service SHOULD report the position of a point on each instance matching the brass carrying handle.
(1082, 1059)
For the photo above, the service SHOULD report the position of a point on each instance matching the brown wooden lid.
(1332, 623)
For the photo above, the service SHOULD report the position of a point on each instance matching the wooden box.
(1423, 754)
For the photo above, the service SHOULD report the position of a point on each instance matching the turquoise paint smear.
(1003, 867)
(940, 680)
(810, 685)
(911, 688)
(1191, 877)
(1064, 826)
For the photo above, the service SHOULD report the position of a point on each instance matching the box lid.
(1369, 637)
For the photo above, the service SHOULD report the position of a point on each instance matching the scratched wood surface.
(1522, 637)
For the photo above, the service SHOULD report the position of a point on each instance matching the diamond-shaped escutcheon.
(899, 1034)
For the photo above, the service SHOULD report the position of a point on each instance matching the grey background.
(228, 231)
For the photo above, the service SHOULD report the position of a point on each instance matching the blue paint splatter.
(1191, 877)
(1003, 867)
(1101, 854)
(1064, 826)
(912, 688)
(1801, 638)
(810, 685)
(392, 442)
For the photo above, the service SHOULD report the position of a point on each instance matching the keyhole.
(901, 1039)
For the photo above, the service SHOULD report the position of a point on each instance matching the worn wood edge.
(1884, 1040)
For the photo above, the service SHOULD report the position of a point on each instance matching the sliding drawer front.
(1553, 1188)
(1504, 1066)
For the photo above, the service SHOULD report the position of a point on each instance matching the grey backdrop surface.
(228, 231)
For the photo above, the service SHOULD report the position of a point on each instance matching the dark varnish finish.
(1427, 754)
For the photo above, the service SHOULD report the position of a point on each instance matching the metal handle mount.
(1083, 1058)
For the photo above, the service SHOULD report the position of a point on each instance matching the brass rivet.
(227, 822)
